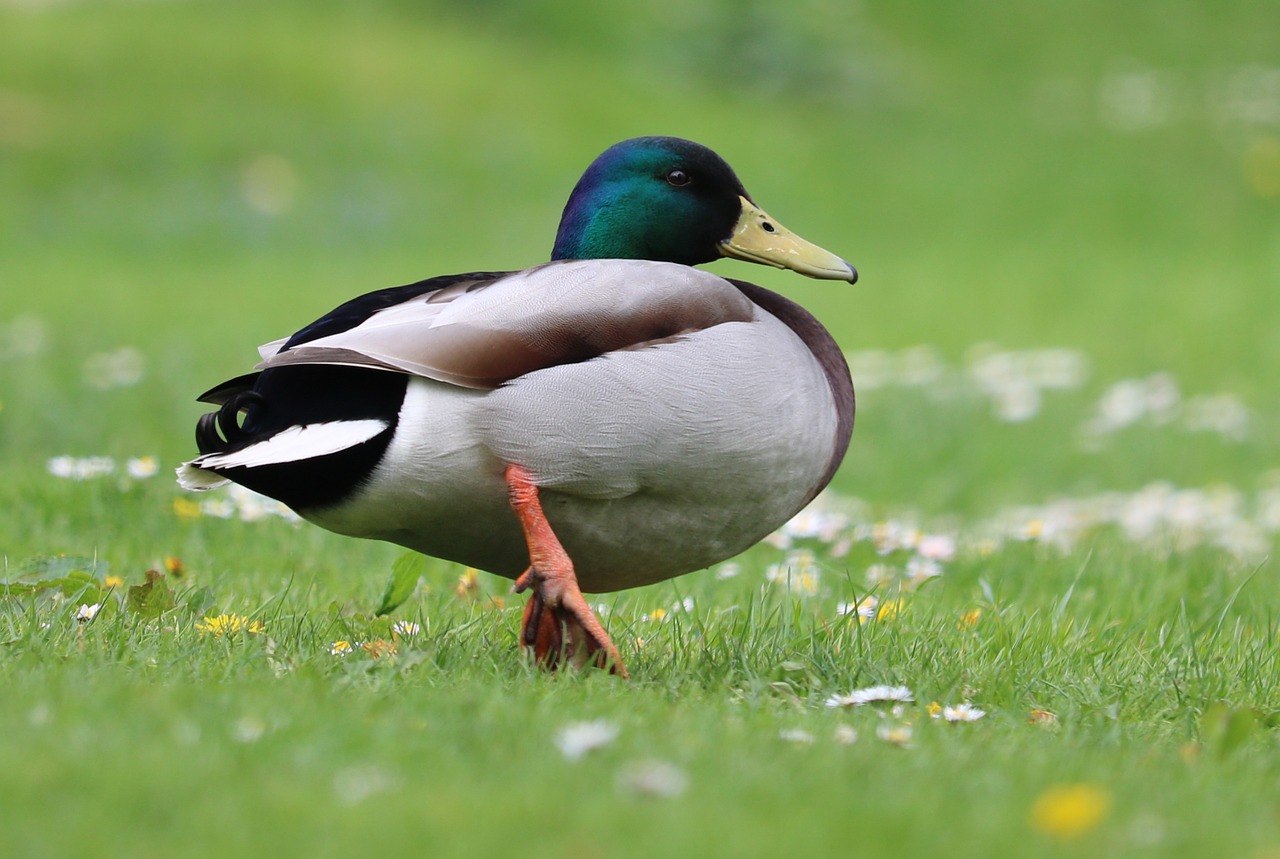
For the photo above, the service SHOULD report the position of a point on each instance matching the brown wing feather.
(560, 313)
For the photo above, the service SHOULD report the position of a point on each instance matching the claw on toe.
(558, 623)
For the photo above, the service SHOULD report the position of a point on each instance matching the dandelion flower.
(889, 609)
(577, 738)
(228, 624)
(86, 613)
(112, 582)
(872, 695)
(1070, 810)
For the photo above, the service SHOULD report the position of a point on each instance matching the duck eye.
(678, 178)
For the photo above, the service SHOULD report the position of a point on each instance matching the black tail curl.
(223, 430)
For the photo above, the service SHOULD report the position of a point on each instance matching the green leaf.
(80, 587)
(76, 577)
(151, 599)
(405, 573)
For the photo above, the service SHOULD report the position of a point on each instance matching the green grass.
(191, 179)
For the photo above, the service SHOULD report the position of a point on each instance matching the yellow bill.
(759, 238)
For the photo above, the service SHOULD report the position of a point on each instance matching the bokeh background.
(1045, 201)
(1066, 216)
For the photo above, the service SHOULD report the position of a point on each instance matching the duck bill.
(761, 239)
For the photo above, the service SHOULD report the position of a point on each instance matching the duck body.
(662, 440)
(641, 418)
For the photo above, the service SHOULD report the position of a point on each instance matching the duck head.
(673, 200)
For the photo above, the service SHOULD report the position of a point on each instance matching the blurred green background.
(186, 180)
(182, 181)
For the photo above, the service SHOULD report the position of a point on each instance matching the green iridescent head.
(673, 200)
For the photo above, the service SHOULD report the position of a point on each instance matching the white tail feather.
(292, 445)
(197, 479)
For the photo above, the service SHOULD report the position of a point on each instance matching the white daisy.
(142, 467)
(577, 738)
(872, 695)
(406, 627)
(960, 713)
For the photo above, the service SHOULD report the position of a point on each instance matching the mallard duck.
(605, 420)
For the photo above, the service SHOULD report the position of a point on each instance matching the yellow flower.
(228, 624)
(806, 583)
(112, 582)
(656, 614)
(935, 709)
(186, 510)
(173, 566)
(970, 618)
(889, 609)
(1070, 810)
(340, 648)
(468, 586)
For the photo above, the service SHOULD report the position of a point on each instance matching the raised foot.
(558, 623)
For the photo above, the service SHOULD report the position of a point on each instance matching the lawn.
(1059, 507)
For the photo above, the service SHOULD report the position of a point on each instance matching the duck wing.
(479, 331)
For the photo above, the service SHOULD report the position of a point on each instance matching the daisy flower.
(872, 695)
(894, 735)
(577, 738)
(960, 713)
(142, 467)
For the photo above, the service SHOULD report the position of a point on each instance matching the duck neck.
(595, 226)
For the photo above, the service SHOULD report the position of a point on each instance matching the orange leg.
(557, 620)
